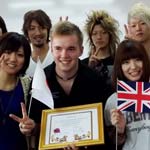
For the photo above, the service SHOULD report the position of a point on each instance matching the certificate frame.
(81, 124)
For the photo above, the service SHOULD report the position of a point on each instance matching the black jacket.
(87, 89)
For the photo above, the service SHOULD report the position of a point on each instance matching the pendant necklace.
(66, 79)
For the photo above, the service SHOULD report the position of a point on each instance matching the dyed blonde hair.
(108, 23)
(141, 11)
(67, 28)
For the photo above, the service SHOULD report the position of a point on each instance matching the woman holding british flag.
(129, 124)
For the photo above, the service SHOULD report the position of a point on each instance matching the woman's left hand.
(26, 124)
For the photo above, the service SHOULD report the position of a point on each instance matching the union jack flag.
(133, 96)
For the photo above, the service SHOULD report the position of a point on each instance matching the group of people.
(73, 81)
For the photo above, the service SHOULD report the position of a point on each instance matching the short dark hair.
(40, 17)
(12, 41)
(129, 49)
(3, 25)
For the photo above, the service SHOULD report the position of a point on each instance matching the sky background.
(13, 11)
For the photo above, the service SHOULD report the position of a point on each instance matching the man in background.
(36, 28)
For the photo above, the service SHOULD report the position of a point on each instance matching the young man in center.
(70, 82)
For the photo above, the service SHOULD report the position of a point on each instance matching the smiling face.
(37, 34)
(66, 51)
(12, 62)
(100, 37)
(132, 69)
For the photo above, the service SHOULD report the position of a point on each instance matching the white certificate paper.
(80, 124)
(70, 127)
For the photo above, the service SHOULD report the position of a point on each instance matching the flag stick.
(29, 106)
(116, 138)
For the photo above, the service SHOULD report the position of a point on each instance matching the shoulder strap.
(25, 81)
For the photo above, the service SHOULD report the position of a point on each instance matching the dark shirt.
(10, 136)
(86, 89)
(103, 68)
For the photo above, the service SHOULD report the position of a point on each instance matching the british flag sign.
(133, 96)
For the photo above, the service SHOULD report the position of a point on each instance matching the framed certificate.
(82, 125)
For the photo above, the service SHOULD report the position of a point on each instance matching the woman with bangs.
(15, 125)
(103, 37)
(131, 64)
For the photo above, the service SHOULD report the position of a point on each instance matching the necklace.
(66, 79)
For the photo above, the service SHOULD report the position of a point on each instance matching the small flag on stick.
(133, 96)
(40, 89)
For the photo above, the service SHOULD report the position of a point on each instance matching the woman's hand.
(26, 124)
(2, 58)
(118, 120)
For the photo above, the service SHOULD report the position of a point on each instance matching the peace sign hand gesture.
(26, 124)
(128, 34)
(2, 57)
(94, 58)
(65, 19)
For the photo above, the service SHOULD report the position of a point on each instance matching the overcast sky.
(13, 10)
